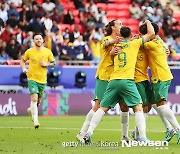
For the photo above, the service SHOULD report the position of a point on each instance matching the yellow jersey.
(141, 69)
(106, 65)
(96, 49)
(36, 72)
(125, 61)
(158, 60)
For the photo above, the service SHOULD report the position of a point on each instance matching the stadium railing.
(172, 64)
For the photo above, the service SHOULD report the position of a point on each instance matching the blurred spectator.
(79, 5)
(95, 46)
(25, 14)
(135, 11)
(36, 26)
(48, 6)
(66, 32)
(167, 25)
(25, 46)
(57, 37)
(59, 7)
(29, 38)
(75, 34)
(172, 56)
(99, 23)
(156, 17)
(6, 34)
(69, 18)
(1, 26)
(101, 13)
(13, 49)
(36, 11)
(147, 7)
(57, 16)
(3, 55)
(13, 10)
(17, 3)
(3, 45)
(47, 21)
(93, 7)
(3, 12)
(12, 21)
(176, 44)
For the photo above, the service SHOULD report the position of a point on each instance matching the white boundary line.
(55, 128)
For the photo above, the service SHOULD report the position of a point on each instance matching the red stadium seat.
(75, 13)
(112, 7)
(122, 7)
(124, 21)
(134, 29)
(123, 14)
(76, 20)
(111, 14)
(132, 21)
(102, 5)
(121, 1)
(64, 26)
(39, 1)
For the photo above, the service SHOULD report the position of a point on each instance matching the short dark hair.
(125, 31)
(37, 34)
(143, 28)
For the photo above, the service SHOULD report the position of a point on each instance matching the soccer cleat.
(178, 137)
(36, 126)
(133, 135)
(87, 138)
(169, 135)
(125, 138)
(29, 113)
(80, 137)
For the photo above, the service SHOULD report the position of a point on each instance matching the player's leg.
(110, 99)
(144, 89)
(100, 88)
(132, 98)
(161, 93)
(34, 91)
(170, 132)
(124, 116)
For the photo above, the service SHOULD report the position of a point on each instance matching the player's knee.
(124, 107)
(138, 108)
(145, 109)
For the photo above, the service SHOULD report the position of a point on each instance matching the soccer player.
(161, 78)
(103, 73)
(122, 85)
(39, 59)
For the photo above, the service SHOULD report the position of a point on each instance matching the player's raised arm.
(150, 31)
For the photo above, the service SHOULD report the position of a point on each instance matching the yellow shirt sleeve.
(26, 55)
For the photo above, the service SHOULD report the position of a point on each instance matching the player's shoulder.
(46, 49)
(107, 38)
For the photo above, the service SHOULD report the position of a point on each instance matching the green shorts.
(101, 86)
(146, 92)
(118, 90)
(36, 88)
(160, 90)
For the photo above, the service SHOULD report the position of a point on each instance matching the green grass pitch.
(17, 136)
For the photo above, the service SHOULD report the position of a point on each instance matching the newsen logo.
(145, 143)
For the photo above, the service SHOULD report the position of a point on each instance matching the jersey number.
(122, 59)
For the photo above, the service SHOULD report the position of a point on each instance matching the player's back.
(125, 61)
(158, 60)
(142, 63)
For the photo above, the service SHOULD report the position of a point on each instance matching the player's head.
(143, 28)
(38, 39)
(125, 32)
(113, 27)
